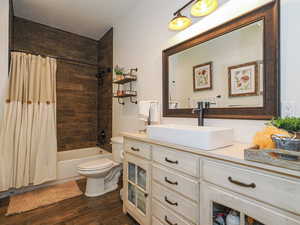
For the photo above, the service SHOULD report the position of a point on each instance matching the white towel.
(155, 112)
(149, 108)
(144, 110)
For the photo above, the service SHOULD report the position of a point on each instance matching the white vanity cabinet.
(175, 186)
(137, 181)
(188, 187)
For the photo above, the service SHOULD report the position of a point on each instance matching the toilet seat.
(99, 164)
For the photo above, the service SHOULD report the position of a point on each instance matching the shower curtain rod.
(56, 57)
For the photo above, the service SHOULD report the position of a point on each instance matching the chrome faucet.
(202, 106)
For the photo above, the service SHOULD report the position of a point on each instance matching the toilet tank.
(117, 149)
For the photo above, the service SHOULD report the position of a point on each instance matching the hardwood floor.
(103, 210)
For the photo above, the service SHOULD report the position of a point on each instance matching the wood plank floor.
(103, 210)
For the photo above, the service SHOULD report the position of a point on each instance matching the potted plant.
(292, 126)
(119, 72)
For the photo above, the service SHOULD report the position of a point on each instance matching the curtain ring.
(7, 100)
(29, 102)
(48, 102)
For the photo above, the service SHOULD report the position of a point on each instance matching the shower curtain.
(28, 142)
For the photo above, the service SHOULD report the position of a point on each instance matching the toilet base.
(99, 186)
(90, 192)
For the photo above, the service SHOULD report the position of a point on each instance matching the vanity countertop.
(234, 153)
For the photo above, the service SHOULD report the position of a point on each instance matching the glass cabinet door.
(141, 177)
(141, 201)
(131, 193)
(132, 172)
(138, 185)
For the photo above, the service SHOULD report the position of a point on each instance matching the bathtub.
(67, 161)
(66, 167)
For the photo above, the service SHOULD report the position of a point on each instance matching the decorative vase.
(287, 143)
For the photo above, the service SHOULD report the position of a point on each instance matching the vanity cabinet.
(137, 182)
(190, 187)
(175, 186)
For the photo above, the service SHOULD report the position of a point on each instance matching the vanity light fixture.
(180, 22)
(204, 7)
(200, 8)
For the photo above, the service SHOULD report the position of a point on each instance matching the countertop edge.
(217, 154)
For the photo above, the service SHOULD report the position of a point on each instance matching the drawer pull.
(170, 161)
(252, 185)
(169, 222)
(171, 182)
(169, 202)
(135, 149)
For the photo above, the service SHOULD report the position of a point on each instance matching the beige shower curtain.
(28, 142)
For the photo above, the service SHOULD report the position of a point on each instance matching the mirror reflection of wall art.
(243, 79)
(202, 77)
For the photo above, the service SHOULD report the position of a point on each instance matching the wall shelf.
(128, 79)
(125, 80)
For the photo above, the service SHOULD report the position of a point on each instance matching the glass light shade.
(204, 7)
(180, 22)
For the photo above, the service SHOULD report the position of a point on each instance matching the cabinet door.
(137, 188)
(218, 205)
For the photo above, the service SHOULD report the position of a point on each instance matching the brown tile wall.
(105, 60)
(76, 84)
(11, 24)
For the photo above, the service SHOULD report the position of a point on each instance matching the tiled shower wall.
(77, 85)
(105, 60)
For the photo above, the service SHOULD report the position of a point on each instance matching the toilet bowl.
(103, 174)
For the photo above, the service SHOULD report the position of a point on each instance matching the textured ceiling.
(90, 18)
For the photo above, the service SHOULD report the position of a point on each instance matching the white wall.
(290, 48)
(4, 37)
(141, 36)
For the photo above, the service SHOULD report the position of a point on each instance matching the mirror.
(226, 71)
(234, 67)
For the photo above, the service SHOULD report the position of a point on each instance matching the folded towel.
(144, 110)
(155, 112)
(149, 109)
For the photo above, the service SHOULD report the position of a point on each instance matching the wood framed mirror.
(234, 66)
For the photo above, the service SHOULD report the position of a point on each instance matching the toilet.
(103, 174)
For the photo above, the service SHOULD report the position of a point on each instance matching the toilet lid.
(96, 164)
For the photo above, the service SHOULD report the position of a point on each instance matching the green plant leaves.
(291, 124)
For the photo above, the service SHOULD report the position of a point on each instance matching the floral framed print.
(243, 79)
(202, 77)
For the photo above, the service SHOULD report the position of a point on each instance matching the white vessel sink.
(204, 138)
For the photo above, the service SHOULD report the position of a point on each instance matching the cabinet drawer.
(176, 202)
(181, 161)
(183, 185)
(138, 148)
(277, 191)
(165, 215)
